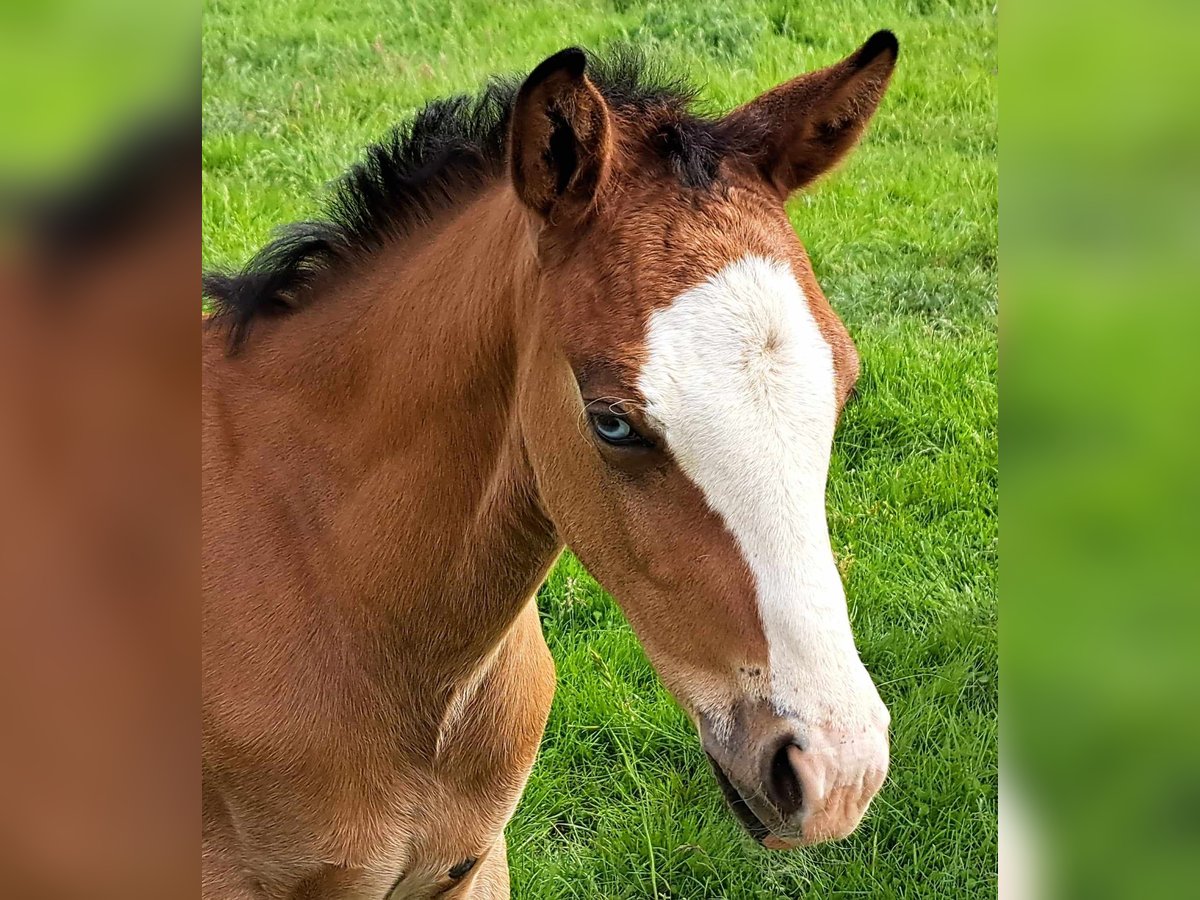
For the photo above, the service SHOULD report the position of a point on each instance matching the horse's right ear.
(560, 140)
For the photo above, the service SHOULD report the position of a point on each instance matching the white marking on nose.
(741, 382)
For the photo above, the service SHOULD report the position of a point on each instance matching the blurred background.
(1099, 226)
(100, 205)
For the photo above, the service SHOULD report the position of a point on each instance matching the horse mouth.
(737, 803)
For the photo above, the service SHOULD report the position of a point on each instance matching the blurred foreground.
(99, 516)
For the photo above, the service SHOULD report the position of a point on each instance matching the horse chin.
(774, 842)
(741, 810)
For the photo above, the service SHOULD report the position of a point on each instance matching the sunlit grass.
(903, 239)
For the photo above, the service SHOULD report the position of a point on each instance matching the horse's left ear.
(804, 127)
(560, 137)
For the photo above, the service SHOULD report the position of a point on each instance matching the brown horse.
(569, 313)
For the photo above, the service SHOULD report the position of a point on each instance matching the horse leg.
(222, 879)
(491, 881)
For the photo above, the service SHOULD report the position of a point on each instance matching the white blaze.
(741, 381)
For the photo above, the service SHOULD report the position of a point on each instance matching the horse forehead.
(744, 341)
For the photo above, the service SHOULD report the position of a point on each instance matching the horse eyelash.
(617, 406)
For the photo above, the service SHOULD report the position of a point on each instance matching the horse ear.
(804, 127)
(560, 137)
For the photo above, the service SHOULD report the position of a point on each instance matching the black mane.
(450, 149)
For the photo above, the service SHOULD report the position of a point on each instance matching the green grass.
(903, 239)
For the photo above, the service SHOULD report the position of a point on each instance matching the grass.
(903, 239)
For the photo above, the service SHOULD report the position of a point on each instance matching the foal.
(569, 313)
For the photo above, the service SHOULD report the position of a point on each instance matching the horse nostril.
(783, 784)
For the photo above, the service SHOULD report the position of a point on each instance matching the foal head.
(680, 405)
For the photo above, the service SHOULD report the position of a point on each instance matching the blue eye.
(615, 429)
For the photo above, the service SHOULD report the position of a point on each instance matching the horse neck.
(411, 367)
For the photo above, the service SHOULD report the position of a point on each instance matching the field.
(903, 239)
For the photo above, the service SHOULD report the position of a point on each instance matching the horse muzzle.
(791, 784)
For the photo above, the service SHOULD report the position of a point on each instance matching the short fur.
(391, 468)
